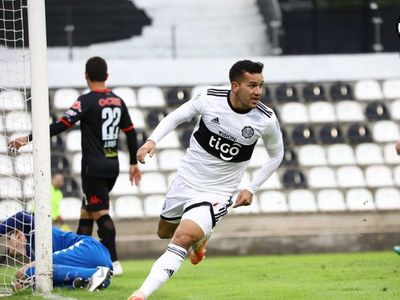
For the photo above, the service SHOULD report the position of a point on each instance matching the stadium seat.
(312, 155)
(57, 144)
(2, 124)
(302, 201)
(70, 208)
(12, 100)
(331, 200)
(169, 159)
(64, 98)
(331, 134)
(387, 198)
(124, 161)
(294, 178)
(303, 134)
(368, 154)
(127, 94)
(259, 157)
(340, 154)
(386, 131)
(349, 111)
(9, 208)
(341, 91)
(396, 175)
(151, 164)
(358, 133)
(286, 93)
(18, 121)
(378, 176)
(367, 89)
(321, 177)
(169, 141)
(154, 117)
(391, 88)
(128, 207)
(272, 183)
(289, 158)
(71, 187)
(273, 202)
(6, 165)
(73, 140)
(177, 96)
(390, 154)
(59, 163)
(314, 92)
(24, 165)
(350, 176)
(77, 163)
(3, 144)
(321, 112)
(377, 111)
(285, 138)
(153, 183)
(266, 97)
(123, 186)
(153, 205)
(359, 199)
(137, 118)
(294, 112)
(395, 110)
(150, 96)
(10, 188)
(141, 136)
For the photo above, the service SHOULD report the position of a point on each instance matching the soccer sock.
(107, 234)
(165, 266)
(85, 227)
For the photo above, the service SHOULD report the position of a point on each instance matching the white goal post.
(24, 108)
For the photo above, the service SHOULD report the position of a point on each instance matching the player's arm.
(183, 113)
(131, 138)
(73, 115)
(274, 144)
(398, 148)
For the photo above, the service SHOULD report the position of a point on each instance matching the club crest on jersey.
(247, 132)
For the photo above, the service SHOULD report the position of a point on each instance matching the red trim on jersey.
(128, 128)
(105, 90)
(68, 124)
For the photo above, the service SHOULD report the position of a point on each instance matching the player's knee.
(164, 234)
(106, 227)
(185, 238)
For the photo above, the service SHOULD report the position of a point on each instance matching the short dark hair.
(243, 66)
(96, 69)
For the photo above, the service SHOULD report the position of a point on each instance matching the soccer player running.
(101, 114)
(208, 175)
(79, 261)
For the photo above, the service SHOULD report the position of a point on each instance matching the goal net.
(17, 180)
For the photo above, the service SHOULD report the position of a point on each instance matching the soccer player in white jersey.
(231, 121)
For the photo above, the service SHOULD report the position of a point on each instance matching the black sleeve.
(131, 138)
(56, 128)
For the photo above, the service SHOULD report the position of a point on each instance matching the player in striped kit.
(231, 122)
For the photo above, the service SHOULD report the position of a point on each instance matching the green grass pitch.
(373, 275)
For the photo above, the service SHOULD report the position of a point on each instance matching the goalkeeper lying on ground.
(79, 261)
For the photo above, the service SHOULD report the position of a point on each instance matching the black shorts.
(96, 193)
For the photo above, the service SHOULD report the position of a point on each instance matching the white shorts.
(205, 209)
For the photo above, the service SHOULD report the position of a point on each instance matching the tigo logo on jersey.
(227, 152)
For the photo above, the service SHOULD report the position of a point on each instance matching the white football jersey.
(222, 141)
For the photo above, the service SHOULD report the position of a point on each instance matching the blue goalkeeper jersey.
(24, 222)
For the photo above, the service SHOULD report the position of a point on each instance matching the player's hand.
(398, 147)
(17, 143)
(148, 148)
(134, 174)
(244, 198)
